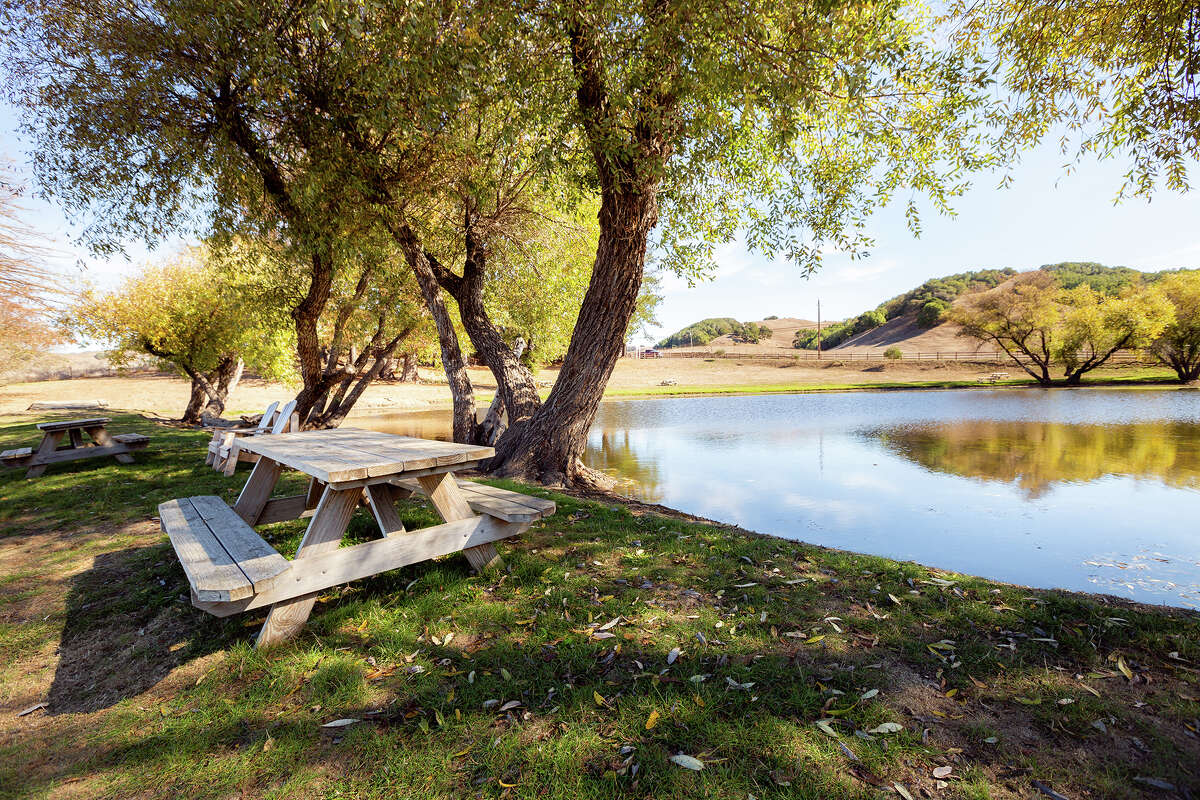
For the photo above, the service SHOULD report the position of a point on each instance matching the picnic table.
(232, 569)
(52, 451)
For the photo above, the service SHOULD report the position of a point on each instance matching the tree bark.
(408, 372)
(461, 390)
(221, 383)
(515, 386)
(191, 414)
(549, 446)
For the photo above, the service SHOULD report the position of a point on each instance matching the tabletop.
(73, 423)
(341, 455)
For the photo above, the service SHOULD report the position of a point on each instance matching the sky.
(1047, 214)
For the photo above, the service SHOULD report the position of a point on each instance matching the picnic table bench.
(231, 568)
(223, 451)
(52, 451)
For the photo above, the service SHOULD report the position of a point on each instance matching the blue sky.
(1047, 214)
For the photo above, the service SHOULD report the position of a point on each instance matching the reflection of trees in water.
(617, 456)
(1037, 455)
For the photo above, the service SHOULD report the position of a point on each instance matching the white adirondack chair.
(223, 452)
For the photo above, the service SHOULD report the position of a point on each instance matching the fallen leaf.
(673, 655)
(900, 790)
(826, 728)
(1124, 668)
(652, 720)
(510, 704)
(31, 709)
(867, 695)
(599, 698)
(942, 772)
(340, 723)
(687, 762)
(887, 727)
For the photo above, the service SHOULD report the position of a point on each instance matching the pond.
(1088, 489)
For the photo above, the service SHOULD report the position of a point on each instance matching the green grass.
(1143, 377)
(151, 698)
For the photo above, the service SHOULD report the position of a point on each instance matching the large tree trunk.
(549, 446)
(223, 380)
(408, 372)
(191, 414)
(308, 343)
(515, 386)
(459, 379)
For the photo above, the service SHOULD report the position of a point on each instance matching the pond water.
(1088, 489)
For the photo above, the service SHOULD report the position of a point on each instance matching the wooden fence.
(831, 356)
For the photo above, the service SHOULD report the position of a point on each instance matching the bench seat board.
(132, 440)
(325, 570)
(211, 571)
(258, 561)
(65, 424)
(495, 502)
(18, 453)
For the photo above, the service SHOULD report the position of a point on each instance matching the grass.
(1141, 377)
(616, 637)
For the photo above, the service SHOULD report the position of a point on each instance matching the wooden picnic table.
(52, 451)
(231, 569)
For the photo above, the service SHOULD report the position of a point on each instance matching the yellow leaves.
(652, 720)
(1124, 668)
(599, 698)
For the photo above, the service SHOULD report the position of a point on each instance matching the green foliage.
(1179, 344)
(703, 332)
(946, 289)
(190, 312)
(931, 313)
(1040, 324)
(1121, 78)
(893, 354)
(1099, 278)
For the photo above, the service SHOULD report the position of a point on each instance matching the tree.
(1122, 76)
(1178, 346)
(1038, 323)
(931, 314)
(27, 287)
(194, 317)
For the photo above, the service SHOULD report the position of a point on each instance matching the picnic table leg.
(103, 438)
(49, 444)
(383, 505)
(257, 491)
(76, 438)
(450, 503)
(325, 531)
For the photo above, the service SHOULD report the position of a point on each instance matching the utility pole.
(818, 329)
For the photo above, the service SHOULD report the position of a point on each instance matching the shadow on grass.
(128, 624)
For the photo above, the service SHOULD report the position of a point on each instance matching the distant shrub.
(773, 316)
(893, 354)
(932, 313)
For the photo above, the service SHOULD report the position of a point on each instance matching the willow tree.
(169, 118)
(1122, 79)
(1041, 326)
(788, 121)
(1178, 346)
(194, 316)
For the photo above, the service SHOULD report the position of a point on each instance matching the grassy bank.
(1137, 377)
(616, 638)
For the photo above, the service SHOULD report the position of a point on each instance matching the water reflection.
(1038, 455)
(1088, 489)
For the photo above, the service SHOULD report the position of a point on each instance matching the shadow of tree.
(128, 624)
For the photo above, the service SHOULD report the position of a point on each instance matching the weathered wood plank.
(64, 424)
(79, 453)
(346, 564)
(500, 503)
(324, 532)
(257, 560)
(48, 446)
(211, 571)
(282, 509)
(103, 438)
(257, 491)
(383, 498)
(450, 503)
